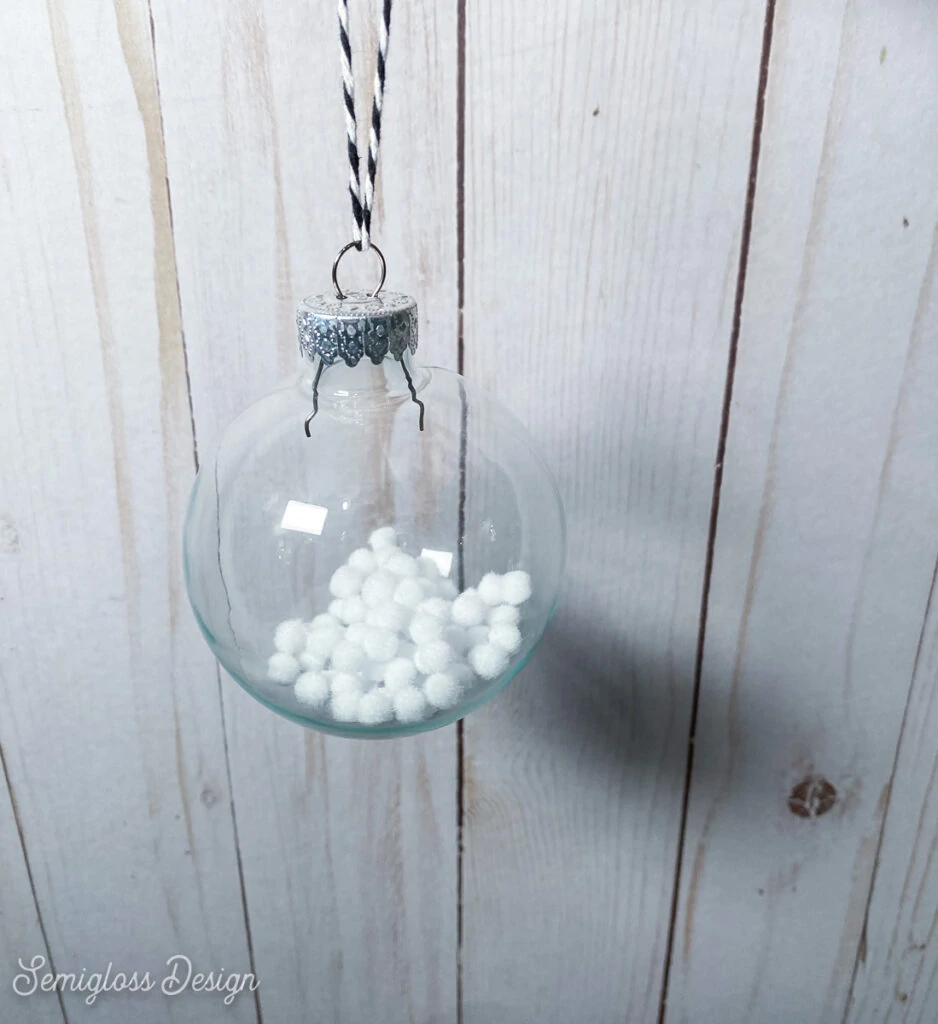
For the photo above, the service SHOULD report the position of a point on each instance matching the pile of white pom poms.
(399, 641)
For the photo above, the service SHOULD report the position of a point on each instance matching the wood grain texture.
(826, 539)
(112, 739)
(348, 849)
(168, 190)
(607, 158)
(21, 937)
(895, 977)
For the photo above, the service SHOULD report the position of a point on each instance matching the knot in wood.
(812, 797)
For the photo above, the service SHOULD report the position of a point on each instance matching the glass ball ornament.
(376, 547)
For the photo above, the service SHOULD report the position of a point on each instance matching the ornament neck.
(387, 378)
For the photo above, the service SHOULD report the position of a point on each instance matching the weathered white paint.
(348, 850)
(828, 527)
(895, 977)
(111, 724)
(192, 185)
(21, 937)
(607, 166)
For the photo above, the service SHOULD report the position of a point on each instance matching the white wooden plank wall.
(828, 525)
(172, 179)
(111, 730)
(348, 850)
(895, 971)
(21, 936)
(602, 247)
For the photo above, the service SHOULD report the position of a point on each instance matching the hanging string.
(351, 127)
(377, 104)
(362, 206)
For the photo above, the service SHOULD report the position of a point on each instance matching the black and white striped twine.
(363, 200)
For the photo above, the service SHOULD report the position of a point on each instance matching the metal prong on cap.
(413, 392)
(312, 415)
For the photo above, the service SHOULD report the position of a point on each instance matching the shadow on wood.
(608, 701)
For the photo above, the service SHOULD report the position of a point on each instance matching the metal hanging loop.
(335, 268)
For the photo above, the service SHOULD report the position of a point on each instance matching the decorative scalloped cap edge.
(359, 325)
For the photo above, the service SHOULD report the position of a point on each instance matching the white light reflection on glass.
(304, 518)
(443, 559)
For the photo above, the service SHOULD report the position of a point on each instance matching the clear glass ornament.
(373, 578)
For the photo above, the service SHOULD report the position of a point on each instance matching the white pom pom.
(312, 688)
(374, 708)
(399, 673)
(457, 638)
(516, 587)
(391, 616)
(428, 569)
(383, 537)
(335, 607)
(381, 644)
(490, 589)
(282, 668)
(353, 610)
(321, 642)
(344, 706)
(374, 671)
(379, 589)
(312, 662)
(357, 633)
(433, 657)
(384, 555)
(469, 609)
(410, 705)
(462, 674)
(442, 690)
(363, 561)
(345, 582)
(504, 615)
(506, 637)
(290, 637)
(347, 656)
(402, 564)
(345, 682)
(435, 606)
(409, 593)
(325, 621)
(447, 589)
(488, 660)
(478, 635)
(425, 628)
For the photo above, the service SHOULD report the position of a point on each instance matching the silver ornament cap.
(359, 324)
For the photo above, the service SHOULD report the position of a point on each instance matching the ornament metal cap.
(359, 324)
